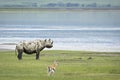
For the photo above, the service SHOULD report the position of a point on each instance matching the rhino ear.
(49, 39)
(45, 40)
(52, 42)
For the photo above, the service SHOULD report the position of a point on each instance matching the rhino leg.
(20, 54)
(37, 56)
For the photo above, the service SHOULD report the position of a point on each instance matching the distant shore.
(58, 9)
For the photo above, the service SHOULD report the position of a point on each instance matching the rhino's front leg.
(37, 55)
(19, 55)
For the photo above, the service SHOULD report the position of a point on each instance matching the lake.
(70, 30)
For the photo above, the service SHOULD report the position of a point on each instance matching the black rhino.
(30, 47)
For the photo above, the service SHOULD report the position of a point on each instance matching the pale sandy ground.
(73, 48)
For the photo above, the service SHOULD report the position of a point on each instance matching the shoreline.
(56, 9)
(11, 47)
(68, 50)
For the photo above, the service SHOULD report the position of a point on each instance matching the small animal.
(89, 58)
(52, 68)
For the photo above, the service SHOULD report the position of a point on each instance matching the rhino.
(31, 47)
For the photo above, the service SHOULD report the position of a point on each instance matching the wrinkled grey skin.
(30, 47)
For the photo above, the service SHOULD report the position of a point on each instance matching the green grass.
(73, 65)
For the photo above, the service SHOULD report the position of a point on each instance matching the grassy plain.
(73, 65)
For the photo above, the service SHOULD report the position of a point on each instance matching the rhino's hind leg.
(37, 56)
(20, 55)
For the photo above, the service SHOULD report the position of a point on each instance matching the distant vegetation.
(58, 5)
(77, 5)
